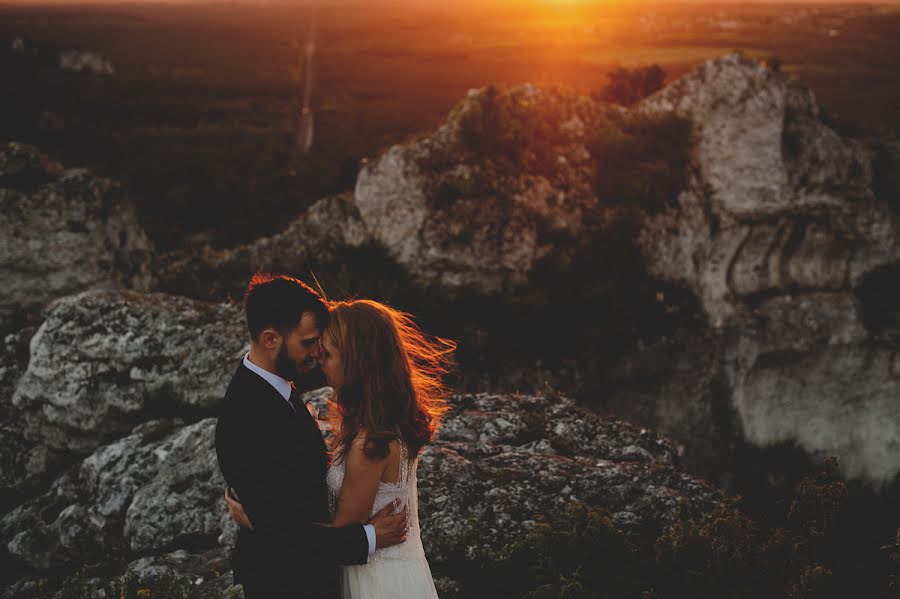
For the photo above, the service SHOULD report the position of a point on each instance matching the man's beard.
(285, 367)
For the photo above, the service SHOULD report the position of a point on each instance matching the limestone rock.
(478, 202)
(49, 216)
(782, 223)
(126, 358)
(838, 400)
(148, 491)
(25, 466)
(159, 489)
(315, 237)
(779, 201)
(500, 460)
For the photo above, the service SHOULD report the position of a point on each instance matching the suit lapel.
(307, 430)
(273, 398)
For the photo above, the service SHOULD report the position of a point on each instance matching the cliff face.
(784, 238)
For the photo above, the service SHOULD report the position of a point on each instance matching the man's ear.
(270, 338)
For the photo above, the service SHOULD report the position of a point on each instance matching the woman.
(388, 400)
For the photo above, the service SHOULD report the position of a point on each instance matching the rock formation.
(496, 188)
(779, 228)
(127, 357)
(315, 237)
(781, 235)
(498, 462)
(780, 223)
(785, 233)
(63, 231)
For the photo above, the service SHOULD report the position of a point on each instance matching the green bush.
(629, 86)
(521, 128)
(642, 160)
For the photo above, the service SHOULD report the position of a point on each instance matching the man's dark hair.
(279, 301)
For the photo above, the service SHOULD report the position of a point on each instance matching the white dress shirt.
(283, 386)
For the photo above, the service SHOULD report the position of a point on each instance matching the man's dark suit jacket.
(275, 459)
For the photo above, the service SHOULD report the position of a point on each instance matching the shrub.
(642, 160)
(727, 554)
(629, 86)
(576, 554)
(520, 127)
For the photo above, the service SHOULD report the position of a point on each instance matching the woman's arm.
(361, 477)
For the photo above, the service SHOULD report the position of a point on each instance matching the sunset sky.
(440, 3)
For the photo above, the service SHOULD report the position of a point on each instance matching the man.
(273, 458)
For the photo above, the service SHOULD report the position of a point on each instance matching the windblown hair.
(393, 387)
(279, 301)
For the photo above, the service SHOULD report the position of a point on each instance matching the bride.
(387, 402)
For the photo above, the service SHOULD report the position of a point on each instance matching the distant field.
(199, 118)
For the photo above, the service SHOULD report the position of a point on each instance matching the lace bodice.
(404, 489)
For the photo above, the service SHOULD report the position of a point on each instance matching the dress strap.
(404, 463)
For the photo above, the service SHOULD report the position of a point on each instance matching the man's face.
(297, 352)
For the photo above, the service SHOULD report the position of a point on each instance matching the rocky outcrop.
(127, 358)
(143, 491)
(778, 204)
(25, 466)
(780, 226)
(498, 462)
(472, 205)
(63, 231)
(500, 185)
(785, 233)
(315, 238)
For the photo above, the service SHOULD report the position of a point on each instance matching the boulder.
(150, 491)
(49, 216)
(126, 358)
(25, 466)
(496, 188)
(499, 461)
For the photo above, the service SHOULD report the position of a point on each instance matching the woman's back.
(397, 572)
(404, 489)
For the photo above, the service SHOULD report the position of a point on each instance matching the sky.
(439, 3)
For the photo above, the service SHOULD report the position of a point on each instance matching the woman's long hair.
(392, 387)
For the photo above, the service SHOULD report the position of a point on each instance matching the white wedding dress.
(398, 572)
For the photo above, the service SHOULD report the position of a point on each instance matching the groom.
(272, 456)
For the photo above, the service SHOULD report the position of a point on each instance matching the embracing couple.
(316, 523)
